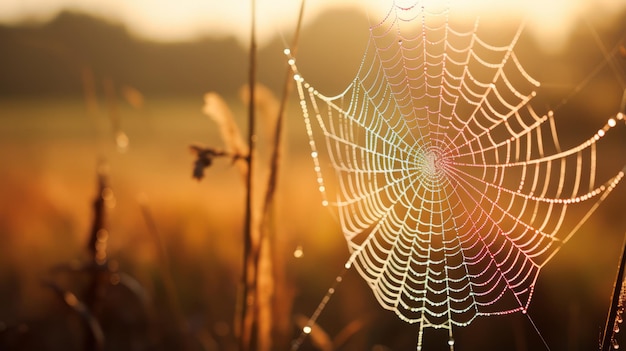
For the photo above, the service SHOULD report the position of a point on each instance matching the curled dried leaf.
(205, 156)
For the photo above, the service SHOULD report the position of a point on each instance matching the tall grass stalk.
(287, 87)
(249, 296)
(608, 337)
(97, 246)
(255, 316)
(281, 331)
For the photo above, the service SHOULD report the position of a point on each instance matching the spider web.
(451, 190)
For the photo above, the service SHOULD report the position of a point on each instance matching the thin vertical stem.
(98, 265)
(256, 254)
(610, 320)
(248, 270)
(275, 160)
(273, 178)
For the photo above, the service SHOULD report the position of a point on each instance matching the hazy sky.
(185, 19)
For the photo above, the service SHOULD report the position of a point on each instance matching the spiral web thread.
(451, 190)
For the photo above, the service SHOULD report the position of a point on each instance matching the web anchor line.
(451, 191)
(308, 328)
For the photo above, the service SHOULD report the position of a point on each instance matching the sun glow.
(188, 19)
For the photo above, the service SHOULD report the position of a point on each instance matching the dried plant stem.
(273, 177)
(273, 180)
(246, 339)
(98, 218)
(253, 246)
(98, 267)
(607, 338)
